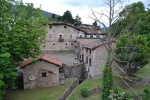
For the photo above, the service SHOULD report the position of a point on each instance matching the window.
(60, 37)
(71, 43)
(50, 26)
(50, 35)
(89, 61)
(71, 36)
(86, 50)
(66, 43)
(83, 57)
(90, 51)
(65, 26)
(44, 74)
(86, 59)
(53, 43)
(91, 35)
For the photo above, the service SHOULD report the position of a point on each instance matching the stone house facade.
(63, 36)
(60, 36)
(95, 56)
(43, 72)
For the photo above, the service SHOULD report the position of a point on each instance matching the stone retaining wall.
(94, 90)
(69, 90)
(73, 71)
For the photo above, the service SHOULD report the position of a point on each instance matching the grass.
(143, 72)
(90, 83)
(52, 93)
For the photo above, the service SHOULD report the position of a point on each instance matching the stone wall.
(94, 90)
(35, 71)
(53, 34)
(74, 71)
(69, 90)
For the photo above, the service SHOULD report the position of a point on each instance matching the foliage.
(67, 17)
(77, 21)
(22, 31)
(107, 84)
(84, 92)
(132, 52)
(118, 94)
(129, 19)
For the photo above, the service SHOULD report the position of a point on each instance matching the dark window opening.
(90, 51)
(80, 35)
(97, 36)
(86, 50)
(65, 26)
(85, 36)
(90, 61)
(60, 37)
(53, 43)
(66, 43)
(91, 36)
(71, 43)
(50, 35)
(70, 36)
(83, 57)
(44, 74)
(86, 59)
(50, 26)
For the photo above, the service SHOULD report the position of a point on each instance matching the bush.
(84, 92)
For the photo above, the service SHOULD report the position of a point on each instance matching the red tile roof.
(44, 57)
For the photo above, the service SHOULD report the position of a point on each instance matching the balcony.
(60, 40)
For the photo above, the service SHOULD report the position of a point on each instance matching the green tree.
(67, 17)
(132, 52)
(129, 18)
(107, 83)
(77, 21)
(22, 34)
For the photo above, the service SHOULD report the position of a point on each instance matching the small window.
(65, 26)
(90, 61)
(83, 57)
(91, 35)
(97, 35)
(85, 36)
(71, 36)
(60, 37)
(44, 74)
(80, 35)
(86, 50)
(50, 26)
(90, 51)
(71, 43)
(53, 43)
(66, 43)
(86, 59)
(50, 35)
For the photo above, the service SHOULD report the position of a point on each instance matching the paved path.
(67, 58)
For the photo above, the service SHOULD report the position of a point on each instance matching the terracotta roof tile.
(44, 57)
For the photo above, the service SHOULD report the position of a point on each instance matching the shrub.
(84, 92)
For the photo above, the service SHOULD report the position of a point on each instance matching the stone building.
(95, 56)
(63, 36)
(41, 72)
(60, 36)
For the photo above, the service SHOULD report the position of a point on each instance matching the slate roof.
(44, 57)
(95, 44)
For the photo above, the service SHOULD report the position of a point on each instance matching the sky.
(80, 7)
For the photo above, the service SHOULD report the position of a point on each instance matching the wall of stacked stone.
(73, 71)
(69, 90)
(95, 90)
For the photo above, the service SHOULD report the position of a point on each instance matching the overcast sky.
(80, 7)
